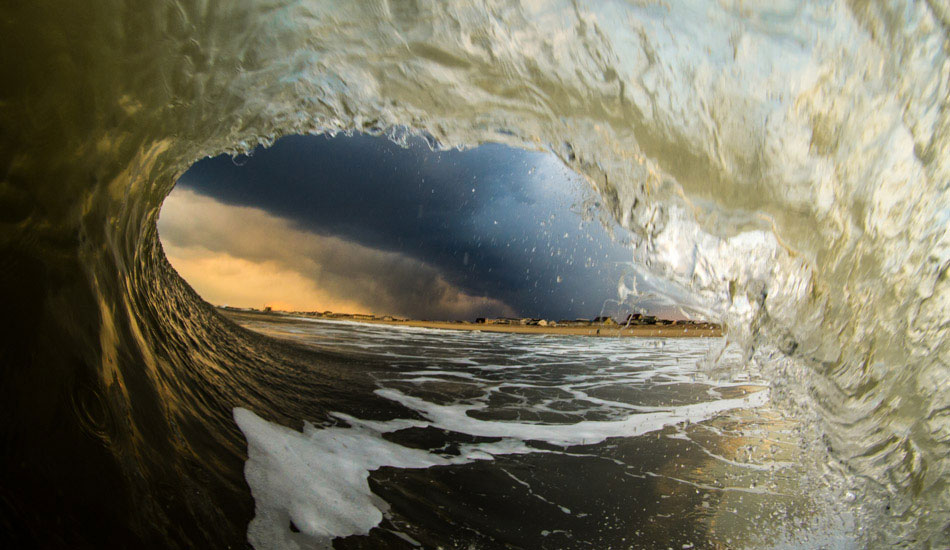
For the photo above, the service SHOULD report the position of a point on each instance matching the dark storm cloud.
(494, 221)
(246, 257)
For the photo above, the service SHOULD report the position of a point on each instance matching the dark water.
(84, 467)
(511, 441)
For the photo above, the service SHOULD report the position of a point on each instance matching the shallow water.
(527, 442)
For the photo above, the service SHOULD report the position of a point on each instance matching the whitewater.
(783, 167)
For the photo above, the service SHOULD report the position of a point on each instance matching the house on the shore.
(639, 319)
(503, 321)
(574, 322)
(605, 321)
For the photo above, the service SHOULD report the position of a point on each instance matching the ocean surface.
(782, 168)
(513, 441)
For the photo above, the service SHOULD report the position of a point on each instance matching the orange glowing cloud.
(246, 257)
(223, 279)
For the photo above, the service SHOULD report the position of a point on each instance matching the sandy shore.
(642, 331)
(666, 331)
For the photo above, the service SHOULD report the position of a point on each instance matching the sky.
(361, 224)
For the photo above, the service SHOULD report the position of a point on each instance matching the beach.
(698, 330)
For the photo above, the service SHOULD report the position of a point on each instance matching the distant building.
(574, 322)
(640, 319)
(503, 321)
(604, 320)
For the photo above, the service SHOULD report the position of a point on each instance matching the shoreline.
(601, 331)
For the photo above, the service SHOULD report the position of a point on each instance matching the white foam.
(317, 479)
(455, 418)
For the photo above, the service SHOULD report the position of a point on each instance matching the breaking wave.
(784, 167)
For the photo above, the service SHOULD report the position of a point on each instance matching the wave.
(782, 165)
